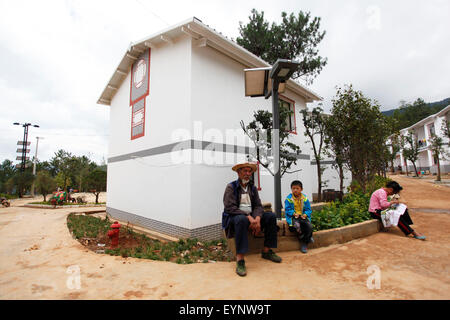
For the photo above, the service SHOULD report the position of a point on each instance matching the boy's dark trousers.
(240, 224)
(303, 228)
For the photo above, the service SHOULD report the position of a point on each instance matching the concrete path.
(40, 260)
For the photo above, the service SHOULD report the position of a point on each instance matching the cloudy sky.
(57, 56)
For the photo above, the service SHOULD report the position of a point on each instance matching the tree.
(260, 132)
(23, 181)
(96, 181)
(395, 147)
(314, 123)
(334, 146)
(81, 168)
(62, 181)
(45, 184)
(296, 38)
(63, 165)
(411, 149)
(7, 171)
(437, 148)
(409, 113)
(362, 131)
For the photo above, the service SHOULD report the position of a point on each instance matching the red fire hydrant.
(113, 234)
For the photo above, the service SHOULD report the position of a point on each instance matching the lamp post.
(25, 141)
(266, 82)
(280, 73)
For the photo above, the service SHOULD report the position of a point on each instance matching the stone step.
(287, 240)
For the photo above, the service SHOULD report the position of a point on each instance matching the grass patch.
(9, 196)
(66, 203)
(91, 231)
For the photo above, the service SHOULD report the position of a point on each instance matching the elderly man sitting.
(243, 211)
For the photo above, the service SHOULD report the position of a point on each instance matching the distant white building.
(177, 98)
(423, 131)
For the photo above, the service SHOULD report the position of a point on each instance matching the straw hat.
(245, 164)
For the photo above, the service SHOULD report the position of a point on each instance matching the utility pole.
(34, 164)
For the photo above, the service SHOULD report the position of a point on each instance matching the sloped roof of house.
(203, 35)
(427, 119)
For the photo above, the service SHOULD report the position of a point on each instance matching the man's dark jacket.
(231, 202)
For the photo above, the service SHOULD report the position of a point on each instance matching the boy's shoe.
(420, 237)
(240, 268)
(303, 247)
(270, 255)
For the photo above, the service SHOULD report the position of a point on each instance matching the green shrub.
(353, 208)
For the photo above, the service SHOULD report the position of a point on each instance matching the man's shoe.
(270, 255)
(240, 268)
(304, 247)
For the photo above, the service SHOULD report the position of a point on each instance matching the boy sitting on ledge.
(298, 215)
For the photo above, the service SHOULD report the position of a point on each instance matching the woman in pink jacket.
(379, 202)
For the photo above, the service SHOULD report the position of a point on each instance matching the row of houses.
(423, 131)
(176, 102)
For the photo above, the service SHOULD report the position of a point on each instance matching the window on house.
(290, 119)
(256, 178)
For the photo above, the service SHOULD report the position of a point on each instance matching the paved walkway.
(40, 260)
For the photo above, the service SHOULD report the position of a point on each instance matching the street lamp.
(24, 143)
(269, 82)
(280, 73)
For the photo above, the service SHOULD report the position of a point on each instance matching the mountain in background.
(409, 113)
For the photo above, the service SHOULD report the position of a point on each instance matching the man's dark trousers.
(240, 224)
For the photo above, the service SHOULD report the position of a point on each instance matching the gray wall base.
(206, 233)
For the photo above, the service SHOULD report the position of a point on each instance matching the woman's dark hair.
(394, 185)
(297, 183)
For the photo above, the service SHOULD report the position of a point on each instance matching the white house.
(177, 99)
(423, 131)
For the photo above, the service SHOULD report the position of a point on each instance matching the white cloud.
(57, 56)
(374, 17)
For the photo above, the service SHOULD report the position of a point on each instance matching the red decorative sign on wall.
(138, 119)
(140, 78)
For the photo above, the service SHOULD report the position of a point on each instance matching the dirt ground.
(40, 260)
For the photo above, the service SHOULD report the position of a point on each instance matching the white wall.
(152, 186)
(167, 106)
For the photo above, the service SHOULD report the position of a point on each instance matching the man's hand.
(304, 216)
(296, 215)
(255, 224)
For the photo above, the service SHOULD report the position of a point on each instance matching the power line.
(138, 1)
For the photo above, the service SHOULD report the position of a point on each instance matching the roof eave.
(198, 31)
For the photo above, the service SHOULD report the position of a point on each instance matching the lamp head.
(283, 69)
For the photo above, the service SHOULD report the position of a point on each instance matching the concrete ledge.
(287, 241)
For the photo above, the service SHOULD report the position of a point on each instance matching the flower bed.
(92, 231)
